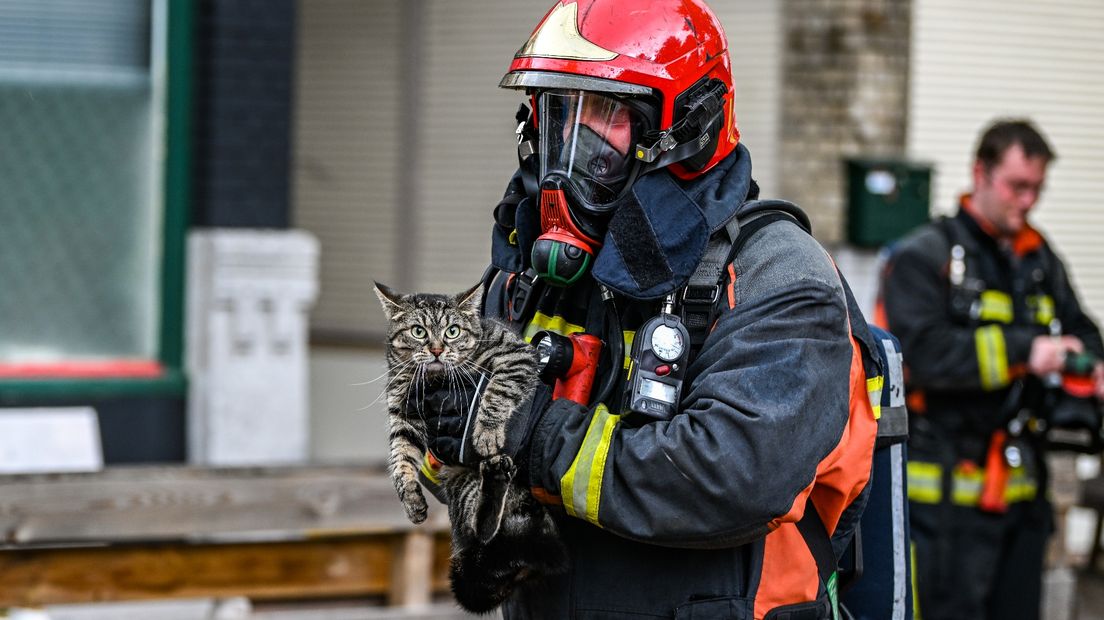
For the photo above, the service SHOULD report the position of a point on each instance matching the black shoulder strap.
(820, 544)
(703, 290)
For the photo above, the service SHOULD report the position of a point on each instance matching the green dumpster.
(886, 198)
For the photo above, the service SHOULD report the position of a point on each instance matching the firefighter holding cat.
(738, 503)
(987, 317)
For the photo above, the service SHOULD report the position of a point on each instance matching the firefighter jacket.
(966, 345)
(696, 516)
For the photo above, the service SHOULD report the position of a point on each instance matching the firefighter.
(732, 492)
(986, 316)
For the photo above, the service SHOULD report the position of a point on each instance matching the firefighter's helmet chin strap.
(527, 149)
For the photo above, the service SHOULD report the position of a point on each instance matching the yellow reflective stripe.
(1043, 307)
(429, 472)
(966, 486)
(1021, 487)
(995, 306)
(557, 325)
(992, 359)
(512, 239)
(874, 387)
(924, 482)
(554, 324)
(915, 593)
(581, 486)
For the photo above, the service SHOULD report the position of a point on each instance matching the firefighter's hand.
(1048, 353)
(448, 408)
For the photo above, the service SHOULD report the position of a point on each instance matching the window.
(89, 259)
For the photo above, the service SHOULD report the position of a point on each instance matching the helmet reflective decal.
(559, 37)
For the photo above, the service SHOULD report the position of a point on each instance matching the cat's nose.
(436, 350)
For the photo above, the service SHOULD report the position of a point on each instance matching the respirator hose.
(615, 340)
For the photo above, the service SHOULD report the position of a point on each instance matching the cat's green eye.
(453, 331)
(418, 332)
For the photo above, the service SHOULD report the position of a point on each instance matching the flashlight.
(568, 363)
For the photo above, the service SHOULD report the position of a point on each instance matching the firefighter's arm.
(1068, 308)
(1076, 322)
(766, 401)
(941, 353)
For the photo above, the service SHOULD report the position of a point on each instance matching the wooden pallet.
(140, 533)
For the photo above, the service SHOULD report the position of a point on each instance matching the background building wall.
(347, 150)
(844, 85)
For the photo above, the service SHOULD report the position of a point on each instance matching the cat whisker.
(396, 374)
(480, 370)
(471, 364)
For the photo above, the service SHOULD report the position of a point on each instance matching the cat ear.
(471, 299)
(389, 299)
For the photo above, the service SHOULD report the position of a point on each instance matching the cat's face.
(437, 333)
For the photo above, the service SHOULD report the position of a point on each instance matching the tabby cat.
(501, 536)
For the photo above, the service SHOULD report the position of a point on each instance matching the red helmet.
(670, 57)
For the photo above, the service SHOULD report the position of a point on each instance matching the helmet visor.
(588, 139)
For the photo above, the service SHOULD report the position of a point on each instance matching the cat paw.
(488, 442)
(500, 467)
(414, 503)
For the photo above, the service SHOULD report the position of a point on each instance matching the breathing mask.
(586, 169)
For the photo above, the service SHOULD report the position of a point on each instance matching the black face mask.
(595, 167)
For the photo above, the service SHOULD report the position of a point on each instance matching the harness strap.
(815, 533)
(703, 290)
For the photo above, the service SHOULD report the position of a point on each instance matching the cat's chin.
(434, 369)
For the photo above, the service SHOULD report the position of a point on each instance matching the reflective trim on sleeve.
(992, 358)
(924, 482)
(581, 486)
(995, 306)
(1042, 308)
(874, 387)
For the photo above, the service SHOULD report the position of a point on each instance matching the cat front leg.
(496, 473)
(497, 405)
(404, 460)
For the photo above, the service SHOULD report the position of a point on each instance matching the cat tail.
(480, 582)
(496, 473)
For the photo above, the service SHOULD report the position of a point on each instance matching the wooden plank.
(438, 611)
(413, 571)
(354, 566)
(197, 504)
(206, 609)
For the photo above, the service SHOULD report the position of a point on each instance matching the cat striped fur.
(500, 534)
